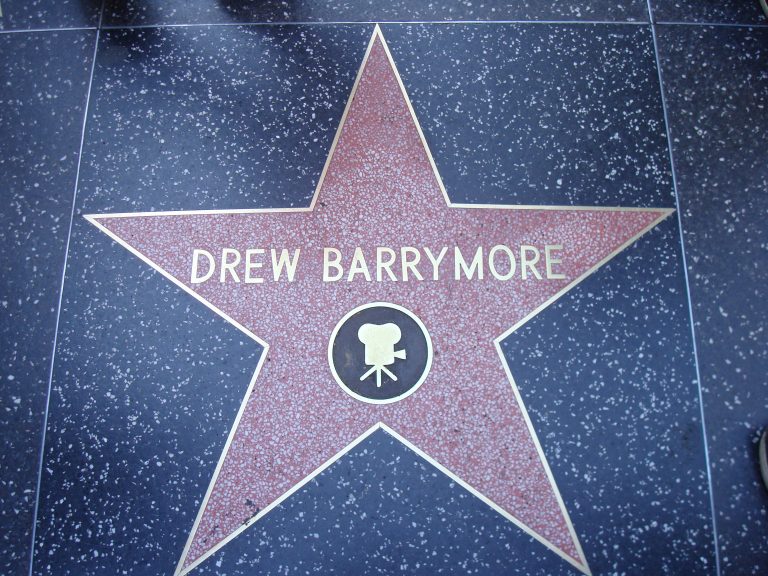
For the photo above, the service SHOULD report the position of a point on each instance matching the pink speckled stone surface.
(380, 190)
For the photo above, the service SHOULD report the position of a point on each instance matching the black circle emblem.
(380, 353)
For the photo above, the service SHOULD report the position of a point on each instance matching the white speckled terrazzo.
(197, 107)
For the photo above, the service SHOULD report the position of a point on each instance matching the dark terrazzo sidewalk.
(646, 421)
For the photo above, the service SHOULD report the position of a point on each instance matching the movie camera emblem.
(380, 353)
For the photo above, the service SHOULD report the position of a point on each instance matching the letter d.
(196, 253)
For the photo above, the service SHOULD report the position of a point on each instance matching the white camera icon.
(379, 341)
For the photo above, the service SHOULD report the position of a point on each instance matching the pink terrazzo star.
(380, 189)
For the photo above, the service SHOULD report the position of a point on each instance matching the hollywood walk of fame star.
(380, 188)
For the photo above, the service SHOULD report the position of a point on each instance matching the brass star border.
(99, 221)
